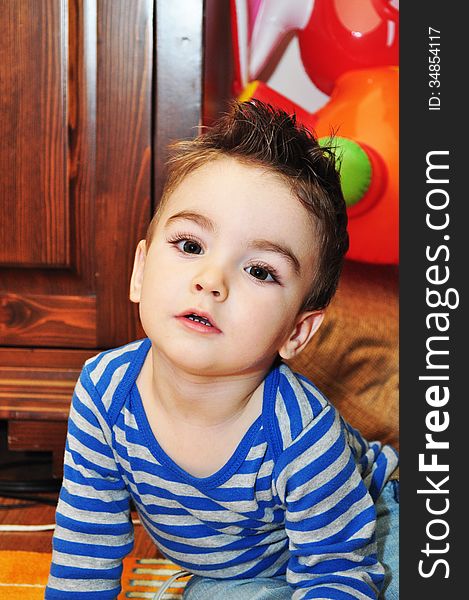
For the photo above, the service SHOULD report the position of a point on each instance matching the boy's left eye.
(260, 273)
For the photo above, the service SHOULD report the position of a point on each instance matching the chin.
(210, 362)
(191, 360)
(206, 366)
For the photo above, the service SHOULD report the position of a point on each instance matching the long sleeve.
(330, 516)
(93, 527)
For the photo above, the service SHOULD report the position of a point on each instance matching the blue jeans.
(260, 588)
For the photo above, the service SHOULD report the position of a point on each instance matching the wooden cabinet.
(91, 91)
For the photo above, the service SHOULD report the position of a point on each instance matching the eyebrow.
(201, 220)
(268, 246)
(261, 244)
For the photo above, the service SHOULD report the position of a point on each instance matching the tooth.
(199, 319)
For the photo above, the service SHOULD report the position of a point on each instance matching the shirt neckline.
(237, 458)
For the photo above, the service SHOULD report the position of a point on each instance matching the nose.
(211, 281)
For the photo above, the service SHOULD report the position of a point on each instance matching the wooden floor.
(40, 514)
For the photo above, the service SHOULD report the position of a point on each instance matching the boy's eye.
(190, 247)
(260, 273)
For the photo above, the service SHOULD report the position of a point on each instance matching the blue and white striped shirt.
(294, 500)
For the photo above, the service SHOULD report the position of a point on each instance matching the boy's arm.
(94, 531)
(330, 516)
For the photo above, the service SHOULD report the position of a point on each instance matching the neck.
(201, 400)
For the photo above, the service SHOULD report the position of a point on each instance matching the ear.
(136, 280)
(306, 326)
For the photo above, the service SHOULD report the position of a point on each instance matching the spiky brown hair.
(258, 134)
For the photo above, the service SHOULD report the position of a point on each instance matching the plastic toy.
(336, 37)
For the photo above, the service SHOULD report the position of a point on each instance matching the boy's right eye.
(186, 245)
(190, 247)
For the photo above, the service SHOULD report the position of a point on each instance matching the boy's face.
(233, 245)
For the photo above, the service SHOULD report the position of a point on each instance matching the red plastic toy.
(349, 49)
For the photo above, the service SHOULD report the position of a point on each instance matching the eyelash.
(272, 272)
(186, 237)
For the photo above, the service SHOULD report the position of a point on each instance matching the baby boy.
(241, 471)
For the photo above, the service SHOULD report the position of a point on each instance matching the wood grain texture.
(179, 76)
(40, 436)
(44, 360)
(50, 302)
(34, 207)
(35, 402)
(97, 59)
(38, 383)
(218, 67)
(124, 158)
(48, 320)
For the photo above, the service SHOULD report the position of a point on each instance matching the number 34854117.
(434, 68)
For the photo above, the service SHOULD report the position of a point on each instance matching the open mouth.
(198, 319)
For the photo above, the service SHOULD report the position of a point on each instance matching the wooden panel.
(48, 320)
(81, 130)
(41, 304)
(179, 77)
(43, 359)
(34, 215)
(124, 158)
(218, 69)
(31, 435)
(40, 436)
(38, 384)
(103, 129)
(78, 52)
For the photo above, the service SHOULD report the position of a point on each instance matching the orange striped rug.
(24, 575)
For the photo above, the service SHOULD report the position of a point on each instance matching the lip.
(198, 326)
